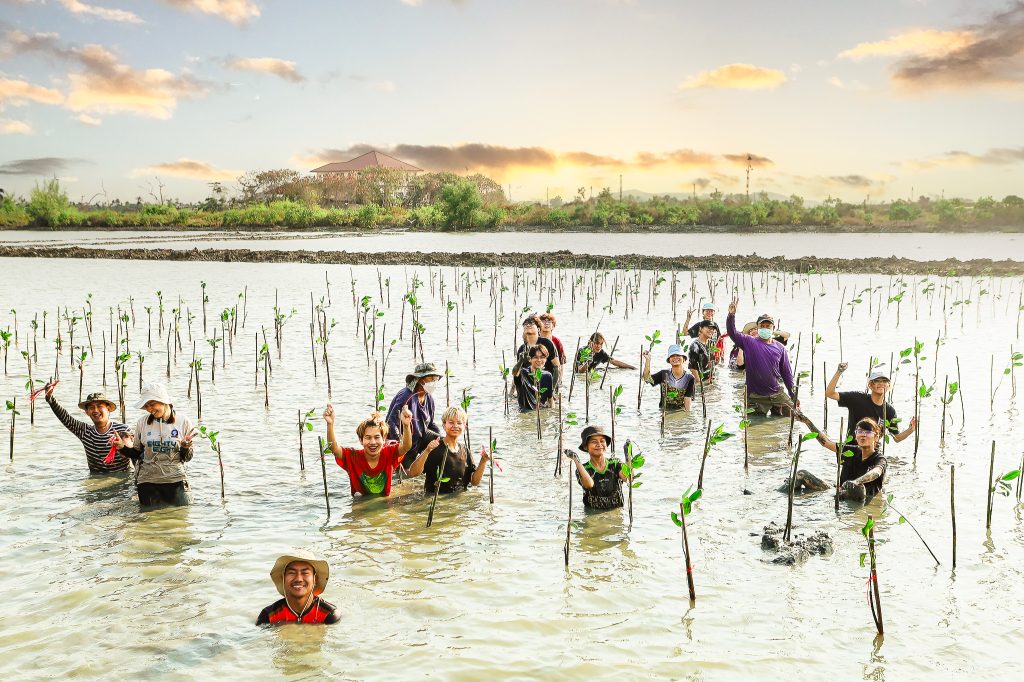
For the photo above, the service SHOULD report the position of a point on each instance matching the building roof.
(372, 159)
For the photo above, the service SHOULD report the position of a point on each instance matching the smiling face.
(99, 413)
(155, 408)
(299, 579)
(453, 427)
(709, 314)
(676, 361)
(373, 441)
(878, 386)
(704, 334)
(547, 325)
(596, 447)
(539, 358)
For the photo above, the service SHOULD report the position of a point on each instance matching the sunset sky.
(848, 99)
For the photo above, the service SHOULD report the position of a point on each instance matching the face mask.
(764, 333)
(429, 387)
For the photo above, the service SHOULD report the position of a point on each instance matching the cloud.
(989, 54)
(851, 182)
(269, 65)
(46, 165)
(88, 120)
(17, 92)
(189, 168)
(997, 156)
(238, 12)
(119, 15)
(11, 127)
(924, 42)
(487, 158)
(736, 77)
(105, 85)
(837, 82)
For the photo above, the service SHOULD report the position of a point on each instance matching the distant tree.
(1013, 200)
(901, 211)
(461, 200)
(266, 186)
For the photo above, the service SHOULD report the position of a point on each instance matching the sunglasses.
(863, 432)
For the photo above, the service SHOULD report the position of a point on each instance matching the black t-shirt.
(598, 358)
(860, 406)
(682, 387)
(700, 360)
(526, 389)
(607, 490)
(854, 466)
(549, 365)
(694, 331)
(458, 469)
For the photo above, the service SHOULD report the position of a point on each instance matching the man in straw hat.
(97, 438)
(161, 445)
(418, 396)
(301, 578)
(767, 364)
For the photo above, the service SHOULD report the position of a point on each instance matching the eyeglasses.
(863, 432)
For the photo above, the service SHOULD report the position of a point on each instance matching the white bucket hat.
(155, 392)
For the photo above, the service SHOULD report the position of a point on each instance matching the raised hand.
(733, 304)
(842, 367)
(124, 440)
(329, 414)
(406, 416)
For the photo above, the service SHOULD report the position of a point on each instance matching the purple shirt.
(766, 363)
(422, 419)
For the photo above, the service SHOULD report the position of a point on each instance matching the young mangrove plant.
(12, 408)
(634, 460)
(874, 594)
(904, 519)
(211, 436)
(711, 439)
(686, 501)
(304, 424)
(787, 533)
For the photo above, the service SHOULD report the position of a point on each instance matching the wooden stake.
(686, 555)
(323, 469)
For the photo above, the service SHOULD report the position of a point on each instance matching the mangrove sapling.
(30, 385)
(949, 391)
(744, 424)
(874, 594)
(264, 356)
(576, 360)
(304, 424)
(325, 450)
(12, 407)
(634, 460)
(904, 519)
(952, 506)
(214, 342)
(504, 379)
(787, 534)
(999, 484)
(685, 507)
(141, 358)
(211, 436)
(490, 463)
(437, 486)
(711, 439)
(568, 520)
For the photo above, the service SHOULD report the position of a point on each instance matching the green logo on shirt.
(374, 485)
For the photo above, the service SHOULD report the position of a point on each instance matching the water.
(940, 246)
(96, 589)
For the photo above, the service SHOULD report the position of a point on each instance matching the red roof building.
(372, 159)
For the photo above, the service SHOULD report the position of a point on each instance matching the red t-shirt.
(369, 481)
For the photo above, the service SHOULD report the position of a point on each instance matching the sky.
(874, 99)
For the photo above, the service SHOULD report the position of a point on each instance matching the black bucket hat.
(589, 433)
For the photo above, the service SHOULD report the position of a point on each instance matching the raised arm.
(830, 391)
(822, 437)
(903, 435)
(332, 440)
(730, 324)
(647, 368)
(70, 423)
(478, 473)
(405, 445)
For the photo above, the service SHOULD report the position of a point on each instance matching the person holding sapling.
(532, 337)
(418, 396)
(593, 354)
(97, 437)
(869, 404)
(547, 331)
(160, 447)
(370, 469)
(863, 466)
(767, 365)
(679, 383)
(702, 352)
(449, 457)
(531, 380)
(600, 477)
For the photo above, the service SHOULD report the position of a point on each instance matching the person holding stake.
(871, 404)
(863, 467)
(601, 478)
(679, 390)
(767, 364)
(98, 437)
(370, 469)
(160, 447)
(459, 471)
(524, 374)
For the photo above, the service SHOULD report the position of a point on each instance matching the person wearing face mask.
(418, 396)
(97, 437)
(160, 447)
(300, 577)
(863, 467)
(371, 468)
(767, 366)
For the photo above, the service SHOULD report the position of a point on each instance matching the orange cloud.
(11, 127)
(736, 77)
(269, 65)
(190, 169)
(997, 156)
(238, 12)
(16, 92)
(924, 42)
(119, 15)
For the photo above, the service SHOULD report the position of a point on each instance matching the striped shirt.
(97, 445)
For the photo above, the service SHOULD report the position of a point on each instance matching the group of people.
(407, 442)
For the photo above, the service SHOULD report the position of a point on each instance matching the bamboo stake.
(220, 463)
(686, 555)
(876, 605)
(490, 462)
(323, 469)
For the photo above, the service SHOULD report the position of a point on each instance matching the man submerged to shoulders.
(300, 577)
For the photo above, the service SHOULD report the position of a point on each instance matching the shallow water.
(97, 589)
(867, 245)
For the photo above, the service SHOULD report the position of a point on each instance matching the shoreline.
(556, 259)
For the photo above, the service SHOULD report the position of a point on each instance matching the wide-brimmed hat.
(155, 392)
(100, 397)
(323, 571)
(674, 349)
(589, 433)
(424, 369)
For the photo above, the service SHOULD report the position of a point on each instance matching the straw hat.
(100, 397)
(589, 433)
(155, 392)
(424, 369)
(323, 571)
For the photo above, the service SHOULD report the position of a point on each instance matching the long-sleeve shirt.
(422, 419)
(96, 444)
(766, 363)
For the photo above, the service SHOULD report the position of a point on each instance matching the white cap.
(878, 372)
(708, 306)
(155, 392)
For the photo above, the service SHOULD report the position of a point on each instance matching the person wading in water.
(863, 466)
(767, 364)
(300, 577)
(98, 437)
(871, 404)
